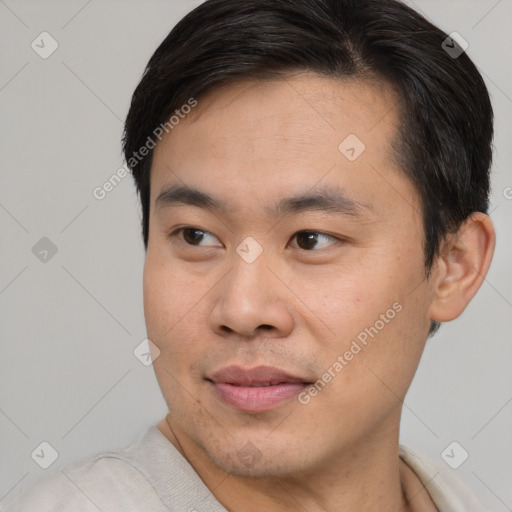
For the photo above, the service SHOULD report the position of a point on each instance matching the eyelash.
(179, 231)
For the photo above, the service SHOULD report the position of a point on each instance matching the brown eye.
(309, 240)
(192, 236)
(195, 236)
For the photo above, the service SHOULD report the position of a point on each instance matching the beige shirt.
(152, 476)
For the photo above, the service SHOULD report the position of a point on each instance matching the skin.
(250, 145)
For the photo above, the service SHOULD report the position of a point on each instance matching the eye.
(308, 240)
(195, 236)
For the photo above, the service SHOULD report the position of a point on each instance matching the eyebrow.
(324, 199)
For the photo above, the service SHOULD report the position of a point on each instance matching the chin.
(260, 469)
(245, 459)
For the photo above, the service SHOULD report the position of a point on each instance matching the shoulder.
(107, 481)
(446, 489)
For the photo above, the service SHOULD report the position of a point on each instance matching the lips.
(256, 389)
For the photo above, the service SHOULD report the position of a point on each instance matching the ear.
(461, 268)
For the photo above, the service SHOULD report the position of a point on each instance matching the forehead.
(303, 107)
(283, 134)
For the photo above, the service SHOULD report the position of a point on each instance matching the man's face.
(332, 294)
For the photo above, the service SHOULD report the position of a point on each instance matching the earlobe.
(462, 266)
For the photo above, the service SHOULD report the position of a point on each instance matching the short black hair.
(444, 142)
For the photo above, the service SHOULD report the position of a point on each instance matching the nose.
(251, 302)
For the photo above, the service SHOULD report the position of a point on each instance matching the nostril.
(266, 327)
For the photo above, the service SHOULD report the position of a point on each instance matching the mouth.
(256, 389)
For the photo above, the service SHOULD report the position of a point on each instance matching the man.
(314, 180)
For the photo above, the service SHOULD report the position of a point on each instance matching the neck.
(363, 478)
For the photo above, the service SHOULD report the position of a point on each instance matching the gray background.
(69, 325)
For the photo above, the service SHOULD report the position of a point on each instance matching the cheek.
(168, 294)
(164, 306)
(173, 310)
(349, 302)
(157, 297)
(373, 312)
(394, 337)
